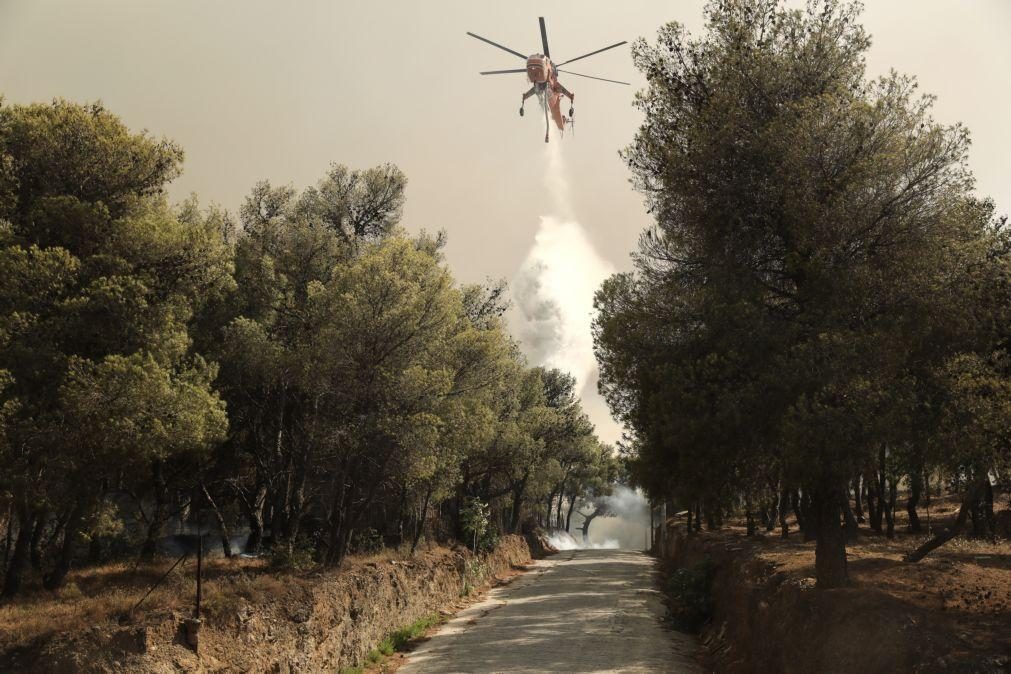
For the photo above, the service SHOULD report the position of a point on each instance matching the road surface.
(578, 611)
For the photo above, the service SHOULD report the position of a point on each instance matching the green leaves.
(99, 284)
(816, 243)
(359, 384)
(84, 152)
(130, 410)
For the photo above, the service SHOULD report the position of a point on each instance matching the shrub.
(396, 641)
(474, 518)
(299, 556)
(366, 541)
(690, 592)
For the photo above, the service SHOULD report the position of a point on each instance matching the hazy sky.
(278, 89)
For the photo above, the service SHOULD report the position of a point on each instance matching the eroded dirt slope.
(316, 623)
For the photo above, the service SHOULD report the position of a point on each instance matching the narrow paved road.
(579, 611)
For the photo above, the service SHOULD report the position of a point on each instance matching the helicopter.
(542, 73)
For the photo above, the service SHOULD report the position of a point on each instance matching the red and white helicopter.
(543, 75)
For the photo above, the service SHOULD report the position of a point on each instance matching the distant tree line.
(309, 376)
(821, 311)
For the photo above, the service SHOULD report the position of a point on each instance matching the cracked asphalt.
(578, 611)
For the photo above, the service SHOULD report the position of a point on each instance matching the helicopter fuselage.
(544, 76)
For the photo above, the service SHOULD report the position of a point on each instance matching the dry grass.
(964, 585)
(108, 592)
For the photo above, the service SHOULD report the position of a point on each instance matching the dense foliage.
(820, 310)
(310, 378)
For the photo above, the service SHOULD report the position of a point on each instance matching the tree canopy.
(305, 371)
(819, 269)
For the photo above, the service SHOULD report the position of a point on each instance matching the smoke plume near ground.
(629, 524)
(563, 540)
(625, 526)
(553, 290)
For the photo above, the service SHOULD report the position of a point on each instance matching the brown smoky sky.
(278, 90)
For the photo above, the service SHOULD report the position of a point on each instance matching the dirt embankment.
(317, 623)
(949, 613)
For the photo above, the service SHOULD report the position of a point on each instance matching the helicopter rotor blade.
(617, 44)
(503, 72)
(602, 79)
(544, 37)
(496, 44)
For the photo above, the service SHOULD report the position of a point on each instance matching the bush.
(690, 592)
(70, 591)
(489, 540)
(474, 517)
(366, 541)
(396, 641)
(300, 556)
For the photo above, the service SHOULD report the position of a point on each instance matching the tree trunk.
(568, 515)
(226, 543)
(710, 514)
(348, 537)
(296, 502)
(830, 550)
(811, 518)
(71, 534)
(881, 492)
(586, 526)
(35, 555)
(158, 517)
(858, 503)
(20, 556)
(559, 522)
(890, 508)
(421, 523)
(517, 506)
(8, 537)
(254, 516)
(915, 488)
(991, 519)
(784, 504)
(875, 502)
(852, 528)
(982, 515)
(338, 521)
(971, 496)
(95, 549)
(795, 505)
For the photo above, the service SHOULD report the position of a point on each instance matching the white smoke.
(626, 525)
(563, 540)
(553, 290)
(629, 524)
(553, 299)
